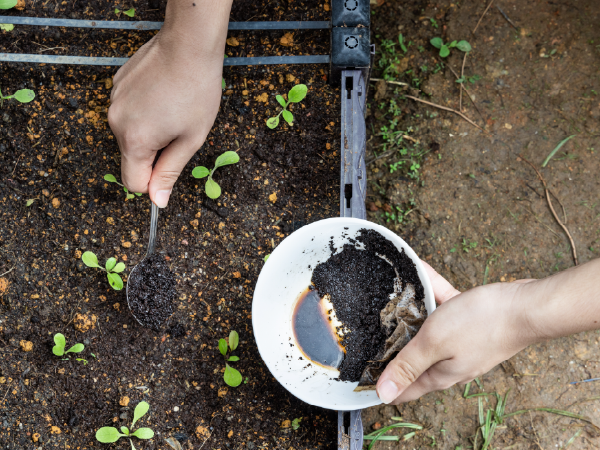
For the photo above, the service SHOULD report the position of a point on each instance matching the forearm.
(563, 304)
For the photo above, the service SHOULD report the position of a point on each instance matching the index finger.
(442, 289)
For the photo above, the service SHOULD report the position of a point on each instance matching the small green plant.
(59, 348)
(472, 79)
(212, 189)
(266, 257)
(7, 26)
(7, 4)
(296, 423)
(401, 42)
(296, 95)
(108, 435)
(438, 43)
(434, 23)
(22, 95)
(468, 245)
(112, 179)
(111, 267)
(128, 13)
(231, 376)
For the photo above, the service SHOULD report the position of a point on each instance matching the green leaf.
(266, 257)
(231, 376)
(297, 93)
(140, 410)
(110, 178)
(444, 51)
(125, 431)
(7, 4)
(296, 423)
(223, 346)
(110, 263)
(108, 435)
(452, 44)
(143, 433)
(556, 149)
(7, 26)
(213, 190)
(81, 359)
(138, 194)
(120, 267)
(77, 348)
(115, 281)
(437, 42)
(30, 202)
(226, 159)
(60, 341)
(129, 12)
(464, 46)
(223, 84)
(288, 116)
(233, 358)
(24, 95)
(117, 10)
(89, 259)
(234, 339)
(281, 100)
(273, 122)
(130, 196)
(200, 172)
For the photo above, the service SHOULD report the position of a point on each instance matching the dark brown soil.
(151, 292)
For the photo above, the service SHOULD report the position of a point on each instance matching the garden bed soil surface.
(56, 151)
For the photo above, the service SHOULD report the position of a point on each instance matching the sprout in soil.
(128, 13)
(59, 348)
(296, 423)
(22, 95)
(111, 268)
(296, 95)
(108, 435)
(212, 189)
(437, 42)
(112, 179)
(231, 376)
(266, 257)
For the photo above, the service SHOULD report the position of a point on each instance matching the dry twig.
(399, 83)
(486, 10)
(462, 77)
(446, 109)
(562, 225)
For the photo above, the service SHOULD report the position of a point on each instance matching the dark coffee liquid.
(314, 331)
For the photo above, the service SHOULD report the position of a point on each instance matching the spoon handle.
(153, 227)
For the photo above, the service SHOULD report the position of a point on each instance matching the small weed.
(296, 95)
(379, 434)
(129, 13)
(108, 435)
(112, 179)
(266, 257)
(468, 245)
(296, 423)
(471, 79)
(59, 348)
(434, 23)
(438, 43)
(6, 27)
(401, 42)
(22, 95)
(231, 376)
(212, 189)
(111, 267)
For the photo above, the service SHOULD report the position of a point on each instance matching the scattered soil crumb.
(84, 322)
(26, 346)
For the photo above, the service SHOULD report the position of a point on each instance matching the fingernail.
(388, 391)
(162, 198)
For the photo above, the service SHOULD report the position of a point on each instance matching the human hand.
(465, 337)
(165, 97)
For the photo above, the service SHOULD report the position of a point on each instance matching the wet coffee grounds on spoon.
(151, 292)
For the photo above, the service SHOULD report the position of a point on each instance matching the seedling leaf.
(233, 358)
(130, 196)
(24, 95)
(296, 423)
(117, 10)
(7, 26)
(200, 172)
(110, 264)
(281, 100)
(60, 341)
(143, 433)
(223, 346)
(444, 51)
(227, 158)
(110, 178)
(452, 44)
(77, 348)
(273, 122)
(556, 149)
(234, 339)
(288, 116)
(140, 410)
(138, 194)
(213, 190)
(297, 93)
(125, 431)
(223, 84)
(89, 259)
(231, 376)
(437, 42)
(115, 281)
(7, 4)
(463, 46)
(266, 257)
(108, 435)
(81, 359)
(30, 202)
(129, 12)
(119, 268)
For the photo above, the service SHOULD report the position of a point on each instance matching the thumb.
(167, 169)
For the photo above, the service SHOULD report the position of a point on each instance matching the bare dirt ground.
(474, 210)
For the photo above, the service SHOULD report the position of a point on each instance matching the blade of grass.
(570, 441)
(554, 411)
(377, 435)
(556, 149)
(467, 389)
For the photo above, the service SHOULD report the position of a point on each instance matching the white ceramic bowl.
(284, 276)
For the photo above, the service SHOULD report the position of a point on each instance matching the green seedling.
(438, 43)
(111, 267)
(266, 257)
(112, 179)
(7, 4)
(108, 435)
(7, 26)
(59, 348)
(231, 376)
(212, 189)
(296, 423)
(22, 96)
(128, 13)
(296, 95)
